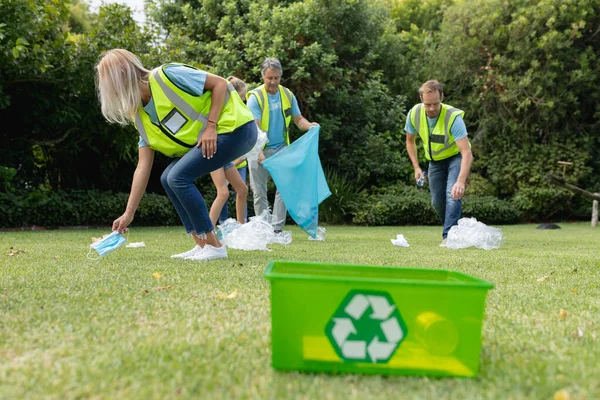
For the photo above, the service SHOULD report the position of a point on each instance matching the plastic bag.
(320, 234)
(400, 241)
(300, 180)
(261, 141)
(470, 232)
(256, 234)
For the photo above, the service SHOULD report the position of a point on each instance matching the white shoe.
(209, 253)
(444, 243)
(188, 253)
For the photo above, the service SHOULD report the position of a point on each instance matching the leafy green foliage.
(80, 207)
(408, 205)
(346, 196)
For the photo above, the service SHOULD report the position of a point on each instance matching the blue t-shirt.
(458, 130)
(187, 79)
(276, 132)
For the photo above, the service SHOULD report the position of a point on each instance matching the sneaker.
(443, 244)
(188, 253)
(209, 253)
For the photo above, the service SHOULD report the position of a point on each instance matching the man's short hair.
(270, 62)
(431, 86)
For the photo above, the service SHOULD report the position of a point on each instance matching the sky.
(137, 7)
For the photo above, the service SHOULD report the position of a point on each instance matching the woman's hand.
(208, 141)
(120, 224)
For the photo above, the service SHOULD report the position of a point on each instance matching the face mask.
(107, 245)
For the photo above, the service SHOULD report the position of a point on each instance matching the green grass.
(71, 328)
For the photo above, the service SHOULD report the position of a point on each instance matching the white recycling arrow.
(380, 350)
(342, 329)
(357, 306)
(381, 308)
(392, 331)
(355, 349)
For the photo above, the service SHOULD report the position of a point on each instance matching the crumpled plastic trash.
(320, 234)
(136, 244)
(261, 140)
(256, 234)
(400, 241)
(470, 232)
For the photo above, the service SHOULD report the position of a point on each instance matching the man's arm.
(302, 123)
(411, 148)
(458, 190)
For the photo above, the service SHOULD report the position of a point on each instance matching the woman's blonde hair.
(119, 74)
(239, 85)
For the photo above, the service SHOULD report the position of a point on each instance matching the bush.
(397, 205)
(346, 195)
(80, 207)
(407, 205)
(490, 210)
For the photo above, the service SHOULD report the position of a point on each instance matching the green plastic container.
(377, 320)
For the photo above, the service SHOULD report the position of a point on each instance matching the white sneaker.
(188, 253)
(444, 243)
(209, 253)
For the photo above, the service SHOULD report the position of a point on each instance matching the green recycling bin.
(375, 320)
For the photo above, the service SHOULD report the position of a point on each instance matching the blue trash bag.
(299, 177)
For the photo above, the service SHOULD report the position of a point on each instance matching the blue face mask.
(107, 245)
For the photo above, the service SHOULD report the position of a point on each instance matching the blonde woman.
(185, 113)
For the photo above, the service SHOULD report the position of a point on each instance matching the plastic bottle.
(421, 181)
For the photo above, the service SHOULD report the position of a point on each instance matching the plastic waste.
(136, 244)
(422, 179)
(261, 140)
(320, 234)
(400, 241)
(256, 234)
(300, 180)
(470, 232)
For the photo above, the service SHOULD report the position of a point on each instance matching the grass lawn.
(140, 325)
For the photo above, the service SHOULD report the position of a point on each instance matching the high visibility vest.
(183, 117)
(439, 144)
(263, 102)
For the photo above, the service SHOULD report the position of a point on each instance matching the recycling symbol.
(366, 327)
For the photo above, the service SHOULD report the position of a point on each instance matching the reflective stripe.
(446, 137)
(418, 118)
(140, 127)
(184, 106)
(259, 97)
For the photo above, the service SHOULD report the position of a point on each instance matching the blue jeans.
(225, 210)
(442, 176)
(179, 177)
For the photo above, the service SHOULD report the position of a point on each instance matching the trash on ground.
(136, 244)
(320, 234)
(400, 241)
(470, 232)
(256, 234)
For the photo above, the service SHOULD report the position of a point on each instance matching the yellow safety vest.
(263, 100)
(183, 117)
(439, 144)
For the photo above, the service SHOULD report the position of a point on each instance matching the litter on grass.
(136, 244)
(400, 241)
(470, 232)
(256, 234)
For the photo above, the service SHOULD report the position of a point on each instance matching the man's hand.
(418, 174)
(208, 141)
(458, 190)
(261, 157)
